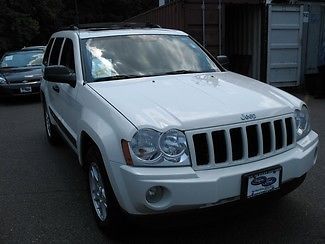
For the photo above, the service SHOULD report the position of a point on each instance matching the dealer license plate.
(261, 182)
(25, 89)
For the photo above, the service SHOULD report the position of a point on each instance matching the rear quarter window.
(47, 51)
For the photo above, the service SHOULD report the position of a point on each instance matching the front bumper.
(189, 189)
(8, 90)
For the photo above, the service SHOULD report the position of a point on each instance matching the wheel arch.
(85, 142)
(88, 137)
(43, 99)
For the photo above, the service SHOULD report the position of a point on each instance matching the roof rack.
(110, 26)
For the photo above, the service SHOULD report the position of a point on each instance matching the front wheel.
(104, 204)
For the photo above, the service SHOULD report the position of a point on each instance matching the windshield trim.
(222, 69)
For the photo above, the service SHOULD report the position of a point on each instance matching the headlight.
(150, 147)
(302, 122)
(173, 144)
(144, 145)
(2, 80)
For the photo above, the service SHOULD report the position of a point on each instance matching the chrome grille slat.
(245, 143)
(236, 144)
(272, 137)
(284, 133)
(229, 147)
(260, 139)
(211, 149)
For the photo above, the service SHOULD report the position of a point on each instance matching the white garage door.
(284, 44)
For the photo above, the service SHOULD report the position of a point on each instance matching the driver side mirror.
(60, 74)
(224, 61)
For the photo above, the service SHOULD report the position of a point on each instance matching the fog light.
(155, 194)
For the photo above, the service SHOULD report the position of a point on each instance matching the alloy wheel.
(97, 191)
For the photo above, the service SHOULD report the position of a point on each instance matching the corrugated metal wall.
(194, 23)
(243, 38)
(187, 15)
(313, 29)
(167, 16)
(240, 28)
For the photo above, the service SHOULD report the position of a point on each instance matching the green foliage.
(25, 28)
(22, 22)
(31, 22)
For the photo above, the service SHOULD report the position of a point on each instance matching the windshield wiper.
(182, 71)
(116, 77)
(121, 77)
(10, 67)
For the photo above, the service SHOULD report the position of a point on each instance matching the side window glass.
(54, 58)
(47, 51)
(67, 56)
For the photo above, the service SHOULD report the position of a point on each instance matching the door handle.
(56, 88)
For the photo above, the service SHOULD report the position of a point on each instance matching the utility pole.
(220, 28)
(76, 20)
(203, 23)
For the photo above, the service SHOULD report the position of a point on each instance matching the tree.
(25, 22)
(31, 22)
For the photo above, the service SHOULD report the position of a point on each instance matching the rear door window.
(54, 58)
(67, 56)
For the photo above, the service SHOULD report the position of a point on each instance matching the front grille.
(34, 80)
(236, 138)
(219, 146)
(201, 144)
(241, 143)
(24, 82)
(266, 135)
(252, 140)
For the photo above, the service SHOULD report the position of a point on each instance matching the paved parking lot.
(43, 196)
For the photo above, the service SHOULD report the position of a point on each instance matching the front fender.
(102, 134)
(106, 127)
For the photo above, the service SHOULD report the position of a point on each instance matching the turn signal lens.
(126, 152)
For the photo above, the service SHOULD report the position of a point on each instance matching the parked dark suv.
(20, 72)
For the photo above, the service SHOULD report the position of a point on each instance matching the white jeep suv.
(161, 126)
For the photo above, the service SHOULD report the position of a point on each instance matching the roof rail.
(109, 26)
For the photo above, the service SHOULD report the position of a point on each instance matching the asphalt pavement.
(43, 196)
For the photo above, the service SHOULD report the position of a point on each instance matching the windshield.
(121, 57)
(22, 59)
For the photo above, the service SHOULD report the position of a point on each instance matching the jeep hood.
(194, 101)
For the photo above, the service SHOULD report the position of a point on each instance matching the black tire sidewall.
(54, 137)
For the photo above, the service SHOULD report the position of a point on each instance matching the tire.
(51, 131)
(104, 204)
